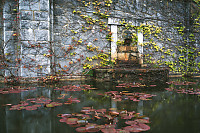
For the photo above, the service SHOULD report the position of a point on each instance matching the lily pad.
(109, 130)
(142, 120)
(72, 121)
(91, 127)
(30, 108)
(49, 105)
(131, 122)
(137, 128)
(81, 129)
(82, 121)
(64, 115)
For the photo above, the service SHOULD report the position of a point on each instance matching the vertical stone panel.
(114, 42)
(140, 45)
(10, 27)
(34, 23)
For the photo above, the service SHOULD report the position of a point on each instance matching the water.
(168, 111)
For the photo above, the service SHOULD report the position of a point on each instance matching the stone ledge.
(61, 79)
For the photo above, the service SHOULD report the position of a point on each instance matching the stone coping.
(61, 79)
(84, 77)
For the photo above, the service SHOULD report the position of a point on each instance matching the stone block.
(27, 34)
(41, 16)
(8, 36)
(27, 43)
(67, 41)
(42, 51)
(59, 52)
(41, 35)
(11, 71)
(28, 60)
(28, 72)
(63, 62)
(24, 5)
(29, 5)
(127, 56)
(44, 5)
(25, 24)
(35, 24)
(43, 44)
(58, 11)
(44, 25)
(57, 37)
(26, 15)
(34, 5)
(44, 71)
(8, 18)
(42, 60)
(57, 28)
(127, 49)
(28, 51)
(9, 5)
(39, 25)
(9, 26)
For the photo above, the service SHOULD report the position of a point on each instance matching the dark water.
(169, 112)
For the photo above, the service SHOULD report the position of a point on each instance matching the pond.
(91, 106)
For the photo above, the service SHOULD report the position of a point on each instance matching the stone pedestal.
(127, 56)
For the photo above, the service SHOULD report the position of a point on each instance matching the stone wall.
(73, 36)
(160, 48)
(65, 36)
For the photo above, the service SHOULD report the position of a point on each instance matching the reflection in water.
(168, 111)
(140, 107)
(113, 103)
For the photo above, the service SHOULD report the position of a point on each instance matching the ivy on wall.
(179, 58)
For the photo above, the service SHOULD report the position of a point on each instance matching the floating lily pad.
(49, 105)
(137, 128)
(71, 121)
(81, 129)
(142, 120)
(113, 113)
(63, 120)
(72, 100)
(91, 127)
(121, 131)
(109, 130)
(91, 115)
(64, 115)
(82, 121)
(30, 108)
(37, 106)
(131, 122)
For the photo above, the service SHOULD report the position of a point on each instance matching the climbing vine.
(179, 58)
(98, 18)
